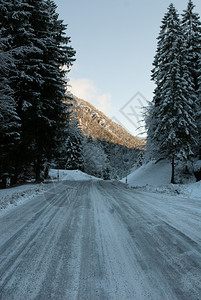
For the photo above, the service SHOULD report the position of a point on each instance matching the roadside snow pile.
(69, 175)
(155, 178)
(152, 174)
(14, 196)
(17, 195)
(192, 190)
(197, 166)
(170, 189)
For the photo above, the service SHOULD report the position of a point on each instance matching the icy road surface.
(101, 240)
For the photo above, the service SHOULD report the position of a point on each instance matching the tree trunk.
(38, 175)
(37, 169)
(15, 177)
(46, 173)
(173, 169)
(16, 172)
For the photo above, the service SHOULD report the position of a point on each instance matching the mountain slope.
(93, 122)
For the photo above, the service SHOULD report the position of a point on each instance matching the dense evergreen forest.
(173, 118)
(39, 128)
(33, 49)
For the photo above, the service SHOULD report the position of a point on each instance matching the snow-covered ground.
(11, 197)
(100, 239)
(155, 177)
(14, 196)
(69, 175)
(151, 177)
(77, 237)
(151, 173)
(192, 190)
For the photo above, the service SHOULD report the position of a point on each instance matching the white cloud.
(104, 103)
(85, 89)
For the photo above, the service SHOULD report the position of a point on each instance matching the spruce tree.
(40, 48)
(9, 120)
(25, 78)
(72, 148)
(174, 126)
(73, 154)
(198, 115)
(55, 53)
(94, 157)
(191, 27)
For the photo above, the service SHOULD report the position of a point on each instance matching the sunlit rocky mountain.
(95, 123)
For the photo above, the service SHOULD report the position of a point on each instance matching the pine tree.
(55, 53)
(191, 27)
(74, 160)
(40, 48)
(174, 126)
(14, 28)
(25, 78)
(9, 120)
(73, 145)
(152, 142)
(198, 116)
(70, 154)
(95, 159)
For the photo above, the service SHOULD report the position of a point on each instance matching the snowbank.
(18, 195)
(155, 177)
(197, 166)
(69, 175)
(14, 196)
(192, 190)
(152, 173)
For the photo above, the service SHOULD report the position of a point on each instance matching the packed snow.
(11, 197)
(155, 177)
(192, 190)
(56, 174)
(14, 196)
(152, 173)
(151, 177)
(101, 239)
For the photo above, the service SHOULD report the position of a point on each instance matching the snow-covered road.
(101, 240)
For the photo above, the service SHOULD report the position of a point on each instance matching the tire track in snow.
(28, 253)
(165, 252)
(101, 240)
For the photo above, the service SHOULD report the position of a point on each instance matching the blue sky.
(115, 42)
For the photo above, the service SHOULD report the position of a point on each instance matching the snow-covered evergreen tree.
(71, 150)
(34, 33)
(95, 159)
(18, 37)
(73, 153)
(174, 126)
(152, 142)
(198, 115)
(9, 120)
(56, 53)
(191, 26)
(192, 29)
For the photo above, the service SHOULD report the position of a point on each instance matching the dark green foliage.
(191, 26)
(36, 37)
(9, 120)
(121, 159)
(73, 156)
(171, 118)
